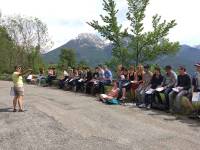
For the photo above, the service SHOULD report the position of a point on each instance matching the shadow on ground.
(6, 110)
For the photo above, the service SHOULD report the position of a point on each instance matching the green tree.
(67, 58)
(7, 51)
(147, 46)
(30, 37)
(112, 31)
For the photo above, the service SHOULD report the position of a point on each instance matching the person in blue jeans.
(169, 81)
(106, 80)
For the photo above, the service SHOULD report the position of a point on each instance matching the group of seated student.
(147, 88)
(86, 80)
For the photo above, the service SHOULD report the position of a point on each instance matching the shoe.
(148, 106)
(142, 106)
(14, 110)
(21, 110)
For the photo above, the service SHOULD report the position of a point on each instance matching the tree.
(7, 51)
(67, 58)
(30, 36)
(147, 46)
(112, 31)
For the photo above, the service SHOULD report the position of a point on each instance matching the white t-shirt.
(30, 77)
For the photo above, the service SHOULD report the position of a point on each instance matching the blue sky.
(67, 18)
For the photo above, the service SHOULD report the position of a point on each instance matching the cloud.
(67, 18)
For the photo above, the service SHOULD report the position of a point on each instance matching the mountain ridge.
(95, 50)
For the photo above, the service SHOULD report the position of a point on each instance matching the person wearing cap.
(18, 88)
(182, 88)
(169, 81)
(144, 86)
(196, 78)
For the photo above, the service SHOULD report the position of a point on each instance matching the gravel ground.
(55, 119)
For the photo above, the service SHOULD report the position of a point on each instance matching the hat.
(197, 64)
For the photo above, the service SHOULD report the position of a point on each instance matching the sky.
(67, 18)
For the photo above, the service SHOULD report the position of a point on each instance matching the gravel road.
(60, 120)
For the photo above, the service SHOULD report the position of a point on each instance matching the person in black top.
(183, 87)
(93, 81)
(156, 81)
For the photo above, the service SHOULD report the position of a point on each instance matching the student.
(106, 81)
(124, 83)
(18, 88)
(94, 82)
(51, 75)
(144, 85)
(112, 94)
(41, 76)
(156, 81)
(169, 81)
(182, 88)
(196, 78)
(63, 79)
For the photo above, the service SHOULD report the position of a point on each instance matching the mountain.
(94, 51)
(198, 46)
(89, 47)
(186, 56)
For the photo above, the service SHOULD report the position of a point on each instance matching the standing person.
(183, 86)
(18, 88)
(169, 81)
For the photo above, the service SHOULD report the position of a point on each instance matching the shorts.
(19, 91)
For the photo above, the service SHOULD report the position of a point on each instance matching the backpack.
(113, 101)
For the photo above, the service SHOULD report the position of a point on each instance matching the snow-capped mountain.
(88, 47)
(87, 39)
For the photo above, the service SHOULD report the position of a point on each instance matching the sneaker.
(142, 106)
(148, 106)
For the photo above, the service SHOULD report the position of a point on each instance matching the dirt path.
(55, 119)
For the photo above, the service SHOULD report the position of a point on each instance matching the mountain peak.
(92, 39)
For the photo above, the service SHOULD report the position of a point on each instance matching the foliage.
(148, 45)
(28, 38)
(67, 58)
(112, 30)
(143, 46)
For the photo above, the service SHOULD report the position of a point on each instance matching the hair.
(182, 68)
(158, 69)
(168, 67)
(17, 66)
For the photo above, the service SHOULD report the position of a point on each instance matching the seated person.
(156, 81)
(182, 89)
(74, 79)
(196, 78)
(125, 83)
(112, 94)
(144, 85)
(169, 81)
(29, 79)
(41, 76)
(51, 75)
(131, 77)
(106, 80)
(93, 81)
(63, 79)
